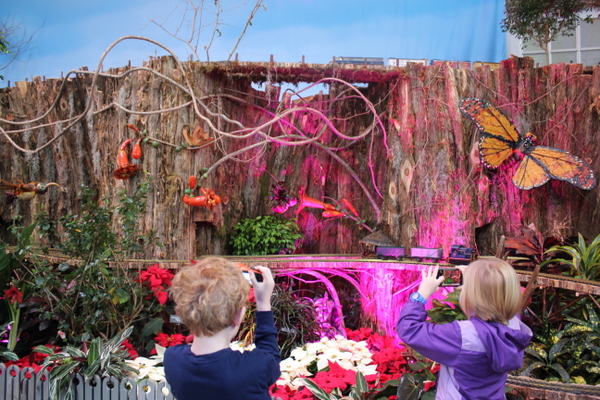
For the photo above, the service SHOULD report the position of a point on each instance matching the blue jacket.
(226, 374)
(475, 355)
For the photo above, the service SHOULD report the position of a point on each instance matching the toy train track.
(348, 262)
(562, 282)
(540, 385)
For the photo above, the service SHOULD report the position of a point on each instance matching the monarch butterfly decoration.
(500, 139)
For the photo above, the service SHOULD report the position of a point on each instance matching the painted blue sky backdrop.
(74, 33)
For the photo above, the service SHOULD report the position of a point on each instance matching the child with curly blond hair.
(211, 298)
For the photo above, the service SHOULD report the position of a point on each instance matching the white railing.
(25, 384)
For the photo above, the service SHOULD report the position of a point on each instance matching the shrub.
(265, 235)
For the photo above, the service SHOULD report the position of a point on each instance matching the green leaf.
(561, 371)
(152, 327)
(408, 388)
(361, 383)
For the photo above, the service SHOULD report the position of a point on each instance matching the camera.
(452, 276)
(257, 274)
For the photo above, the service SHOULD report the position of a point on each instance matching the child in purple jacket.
(211, 298)
(475, 355)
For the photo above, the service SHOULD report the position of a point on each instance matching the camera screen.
(452, 276)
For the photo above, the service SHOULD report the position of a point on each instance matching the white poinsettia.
(145, 367)
(239, 346)
(346, 353)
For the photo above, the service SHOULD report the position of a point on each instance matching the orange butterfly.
(500, 139)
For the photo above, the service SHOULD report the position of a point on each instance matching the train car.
(461, 255)
(424, 253)
(390, 252)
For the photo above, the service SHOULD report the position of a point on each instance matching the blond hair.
(209, 295)
(491, 291)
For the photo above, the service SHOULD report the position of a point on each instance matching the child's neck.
(211, 344)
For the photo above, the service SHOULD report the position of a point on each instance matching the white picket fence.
(25, 384)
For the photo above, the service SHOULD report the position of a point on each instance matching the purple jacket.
(475, 355)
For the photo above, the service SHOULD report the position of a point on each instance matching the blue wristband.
(416, 296)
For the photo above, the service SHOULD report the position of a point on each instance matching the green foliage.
(447, 310)
(265, 235)
(90, 299)
(585, 259)
(544, 356)
(584, 345)
(102, 357)
(9, 261)
(412, 384)
(5, 353)
(542, 21)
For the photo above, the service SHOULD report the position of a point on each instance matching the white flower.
(145, 367)
(157, 374)
(239, 346)
(299, 353)
(367, 369)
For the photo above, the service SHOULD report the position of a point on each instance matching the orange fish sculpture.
(209, 198)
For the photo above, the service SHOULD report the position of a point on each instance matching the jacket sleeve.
(266, 340)
(440, 343)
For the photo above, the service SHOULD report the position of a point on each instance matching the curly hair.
(209, 295)
(491, 291)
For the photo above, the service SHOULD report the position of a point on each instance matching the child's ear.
(239, 316)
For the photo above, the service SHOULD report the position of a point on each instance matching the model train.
(459, 255)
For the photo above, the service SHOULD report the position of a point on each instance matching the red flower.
(335, 377)
(161, 294)
(359, 335)
(157, 276)
(159, 279)
(13, 295)
(428, 385)
(40, 357)
(169, 340)
(251, 297)
(378, 342)
(133, 354)
(389, 361)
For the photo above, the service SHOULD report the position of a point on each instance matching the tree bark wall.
(426, 184)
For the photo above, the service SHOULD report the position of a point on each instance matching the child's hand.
(263, 290)
(430, 282)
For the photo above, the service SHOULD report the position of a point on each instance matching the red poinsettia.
(335, 377)
(165, 340)
(284, 392)
(161, 294)
(159, 280)
(133, 354)
(13, 295)
(359, 335)
(157, 276)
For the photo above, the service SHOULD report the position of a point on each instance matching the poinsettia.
(335, 377)
(130, 349)
(159, 279)
(157, 276)
(165, 340)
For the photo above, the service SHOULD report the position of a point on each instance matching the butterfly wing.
(561, 165)
(499, 137)
(530, 174)
(493, 151)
